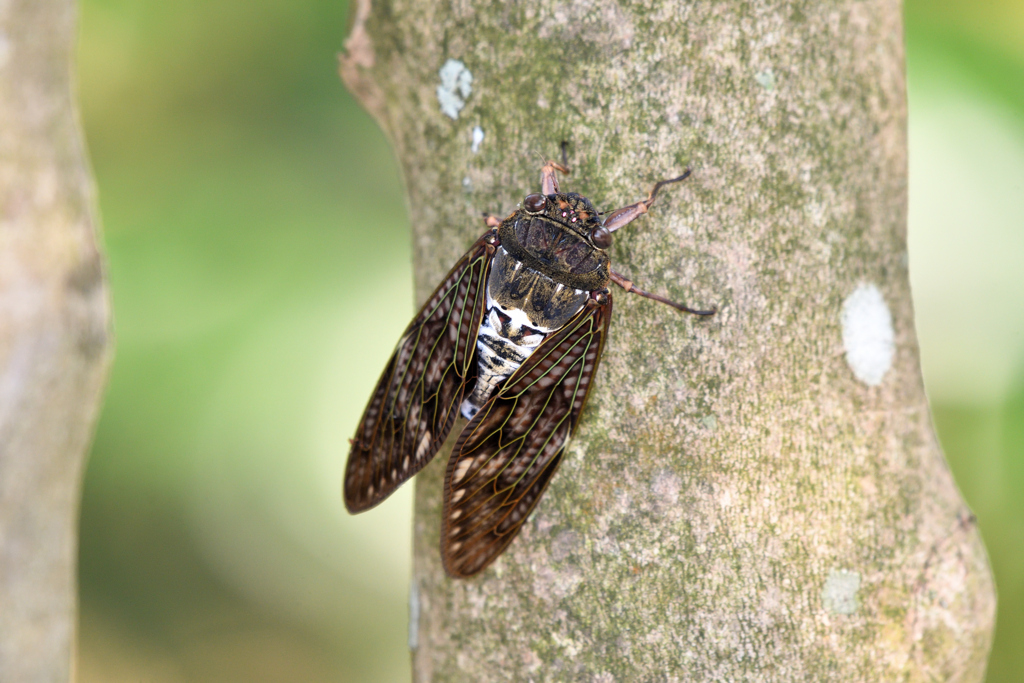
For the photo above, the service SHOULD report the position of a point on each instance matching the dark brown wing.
(418, 395)
(504, 458)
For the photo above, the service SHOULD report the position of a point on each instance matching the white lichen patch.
(414, 615)
(868, 336)
(839, 596)
(766, 79)
(456, 86)
(478, 137)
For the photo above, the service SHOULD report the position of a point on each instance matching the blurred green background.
(259, 255)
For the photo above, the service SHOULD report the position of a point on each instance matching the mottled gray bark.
(54, 338)
(759, 496)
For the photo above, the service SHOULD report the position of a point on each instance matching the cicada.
(507, 346)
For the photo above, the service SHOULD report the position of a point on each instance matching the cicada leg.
(633, 289)
(620, 218)
(548, 179)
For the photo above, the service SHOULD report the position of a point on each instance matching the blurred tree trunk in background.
(758, 496)
(55, 341)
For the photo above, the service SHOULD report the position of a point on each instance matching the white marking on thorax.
(518, 315)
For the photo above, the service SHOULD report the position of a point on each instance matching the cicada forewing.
(505, 457)
(417, 398)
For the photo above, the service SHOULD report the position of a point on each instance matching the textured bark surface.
(744, 499)
(54, 338)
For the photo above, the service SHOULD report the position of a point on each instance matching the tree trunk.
(757, 496)
(54, 338)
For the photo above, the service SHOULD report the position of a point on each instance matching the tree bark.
(54, 338)
(758, 496)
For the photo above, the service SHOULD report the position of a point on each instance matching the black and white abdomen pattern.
(523, 307)
(505, 340)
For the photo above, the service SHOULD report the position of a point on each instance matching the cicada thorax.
(541, 276)
(556, 240)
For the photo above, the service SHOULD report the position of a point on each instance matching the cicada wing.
(417, 397)
(506, 455)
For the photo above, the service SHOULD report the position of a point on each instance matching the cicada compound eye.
(535, 203)
(601, 238)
